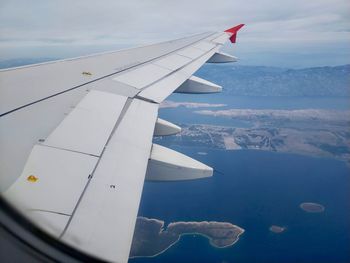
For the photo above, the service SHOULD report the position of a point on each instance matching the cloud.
(191, 105)
(273, 28)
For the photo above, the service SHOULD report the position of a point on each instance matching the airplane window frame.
(33, 242)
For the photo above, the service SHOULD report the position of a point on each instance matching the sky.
(284, 33)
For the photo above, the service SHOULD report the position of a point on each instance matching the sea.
(254, 190)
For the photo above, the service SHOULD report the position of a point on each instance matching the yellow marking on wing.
(32, 178)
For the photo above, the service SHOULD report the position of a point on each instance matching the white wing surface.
(76, 137)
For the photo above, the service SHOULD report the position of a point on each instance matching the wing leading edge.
(87, 138)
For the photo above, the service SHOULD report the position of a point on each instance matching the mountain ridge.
(274, 81)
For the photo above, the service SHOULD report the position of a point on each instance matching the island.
(151, 238)
(277, 229)
(312, 207)
(314, 132)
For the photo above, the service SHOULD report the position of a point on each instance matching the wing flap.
(51, 182)
(87, 128)
(104, 220)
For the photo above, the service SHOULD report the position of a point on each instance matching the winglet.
(233, 31)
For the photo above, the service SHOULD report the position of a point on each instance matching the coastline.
(210, 239)
(310, 207)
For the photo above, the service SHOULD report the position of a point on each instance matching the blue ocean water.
(257, 189)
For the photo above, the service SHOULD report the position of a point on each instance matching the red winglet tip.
(233, 31)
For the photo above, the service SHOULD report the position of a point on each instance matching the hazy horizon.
(26, 61)
(292, 34)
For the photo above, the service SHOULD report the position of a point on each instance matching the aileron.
(172, 62)
(142, 76)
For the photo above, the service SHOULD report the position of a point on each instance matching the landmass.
(282, 115)
(151, 238)
(322, 133)
(255, 81)
(277, 229)
(312, 207)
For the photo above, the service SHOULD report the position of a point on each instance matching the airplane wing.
(76, 137)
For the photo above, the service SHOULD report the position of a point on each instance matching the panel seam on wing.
(69, 150)
(100, 78)
(177, 70)
(120, 118)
